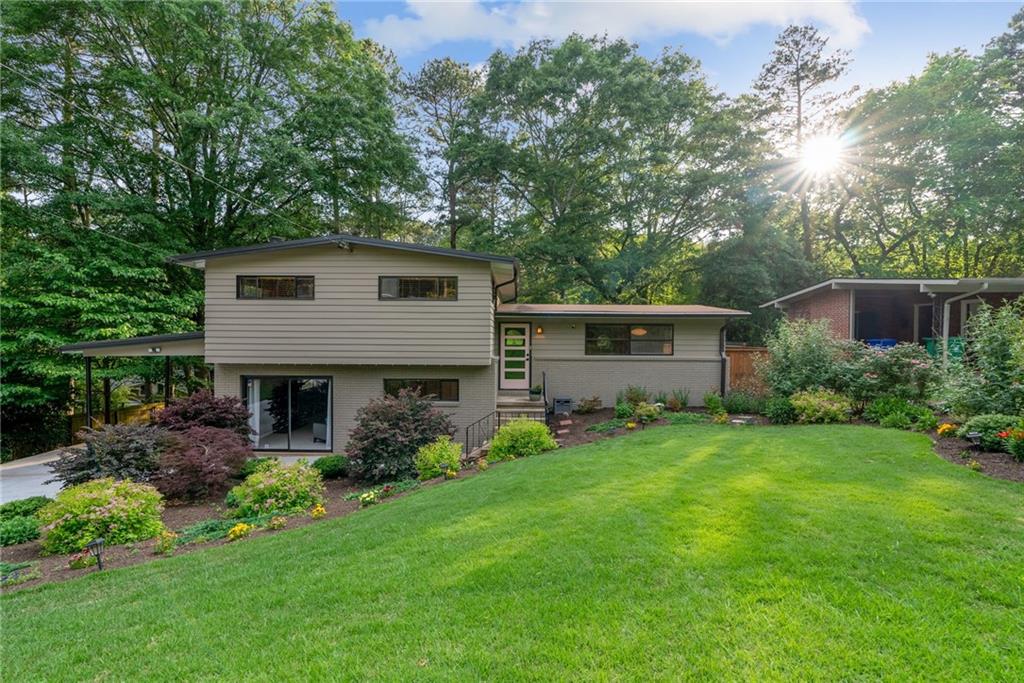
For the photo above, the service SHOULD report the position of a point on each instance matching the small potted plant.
(535, 391)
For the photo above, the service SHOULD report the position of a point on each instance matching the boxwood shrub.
(990, 426)
(520, 438)
(821, 406)
(117, 511)
(332, 466)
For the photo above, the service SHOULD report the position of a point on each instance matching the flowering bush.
(240, 530)
(801, 355)
(369, 498)
(1014, 439)
(166, 542)
(437, 457)
(645, 413)
(630, 425)
(821, 406)
(520, 438)
(318, 511)
(117, 511)
(203, 409)
(388, 433)
(864, 373)
(280, 521)
(947, 429)
(720, 418)
(200, 462)
(124, 451)
(989, 426)
(277, 488)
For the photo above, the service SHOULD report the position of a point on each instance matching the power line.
(155, 150)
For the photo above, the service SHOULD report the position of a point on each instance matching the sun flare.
(822, 155)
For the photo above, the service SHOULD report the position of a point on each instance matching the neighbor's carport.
(166, 345)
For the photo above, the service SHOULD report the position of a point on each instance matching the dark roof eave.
(152, 339)
(185, 259)
(601, 314)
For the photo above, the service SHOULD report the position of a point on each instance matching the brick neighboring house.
(885, 311)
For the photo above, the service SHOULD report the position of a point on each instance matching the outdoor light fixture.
(95, 549)
(540, 330)
(154, 349)
(974, 438)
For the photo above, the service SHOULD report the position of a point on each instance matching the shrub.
(623, 410)
(608, 425)
(864, 373)
(946, 429)
(720, 418)
(24, 507)
(14, 530)
(438, 457)
(201, 462)
(678, 401)
(989, 426)
(661, 397)
(989, 379)
(742, 402)
(821, 406)
(332, 466)
(801, 355)
(240, 530)
(686, 418)
(203, 409)
(586, 406)
(899, 413)
(713, 403)
(520, 438)
(635, 395)
(251, 465)
(317, 511)
(896, 420)
(646, 413)
(389, 430)
(277, 522)
(779, 410)
(1015, 443)
(166, 542)
(122, 451)
(117, 511)
(881, 408)
(277, 488)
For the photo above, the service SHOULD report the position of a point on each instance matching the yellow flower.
(240, 530)
(945, 428)
(318, 511)
(631, 425)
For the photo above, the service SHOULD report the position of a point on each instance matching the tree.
(611, 165)
(439, 97)
(793, 85)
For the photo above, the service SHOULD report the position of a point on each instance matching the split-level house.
(306, 332)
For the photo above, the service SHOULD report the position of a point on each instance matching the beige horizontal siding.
(346, 323)
(563, 338)
(352, 387)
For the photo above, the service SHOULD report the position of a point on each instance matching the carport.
(165, 345)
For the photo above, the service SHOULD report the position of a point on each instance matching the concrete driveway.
(24, 477)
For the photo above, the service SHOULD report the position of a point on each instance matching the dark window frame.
(329, 447)
(628, 339)
(436, 398)
(260, 297)
(380, 287)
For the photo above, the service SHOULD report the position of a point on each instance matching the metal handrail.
(484, 429)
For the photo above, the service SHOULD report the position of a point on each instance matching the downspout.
(721, 350)
(945, 321)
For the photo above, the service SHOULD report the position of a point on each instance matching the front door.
(515, 356)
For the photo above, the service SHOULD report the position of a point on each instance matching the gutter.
(945, 321)
(725, 361)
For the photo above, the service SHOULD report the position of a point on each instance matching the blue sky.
(888, 41)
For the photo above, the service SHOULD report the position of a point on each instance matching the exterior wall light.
(540, 330)
(95, 548)
(154, 349)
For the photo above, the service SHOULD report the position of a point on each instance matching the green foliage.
(633, 395)
(585, 406)
(898, 420)
(120, 451)
(742, 402)
(989, 426)
(216, 529)
(645, 413)
(332, 466)
(1015, 442)
(623, 410)
(780, 411)
(801, 355)
(520, 438)
(23, 507)
(990, 377)
(865, 373)
(386, 490)
(821, 406)
(116, 511)
(254, 464)
(660, 397)
(678, 401)
(713, 403)
(608, 425)
(13, 573)
(438, 457)
(388, 432)
(277, 488)
(898, 413)
(685, 418)
(15, 530)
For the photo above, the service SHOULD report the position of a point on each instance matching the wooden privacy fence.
(741, 366)
(139, 413)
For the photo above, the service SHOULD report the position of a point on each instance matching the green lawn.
(680, 552)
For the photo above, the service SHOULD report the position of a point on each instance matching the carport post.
(88, 391)
(106, 400)
(167, 381)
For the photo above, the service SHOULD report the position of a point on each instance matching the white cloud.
(511, 24)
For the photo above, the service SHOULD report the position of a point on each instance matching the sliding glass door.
(289, 413)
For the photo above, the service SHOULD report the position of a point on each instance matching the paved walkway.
(24, 477)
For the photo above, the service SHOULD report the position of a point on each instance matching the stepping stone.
(562, 431)
(565, 423)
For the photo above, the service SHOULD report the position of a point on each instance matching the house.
(307, 331)
(885, 311)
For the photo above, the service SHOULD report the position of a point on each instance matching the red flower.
(1003, 434)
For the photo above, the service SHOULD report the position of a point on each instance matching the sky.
(888, 41)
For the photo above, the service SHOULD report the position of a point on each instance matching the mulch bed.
(997, 465)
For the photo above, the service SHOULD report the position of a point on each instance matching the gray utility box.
(563, 406)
